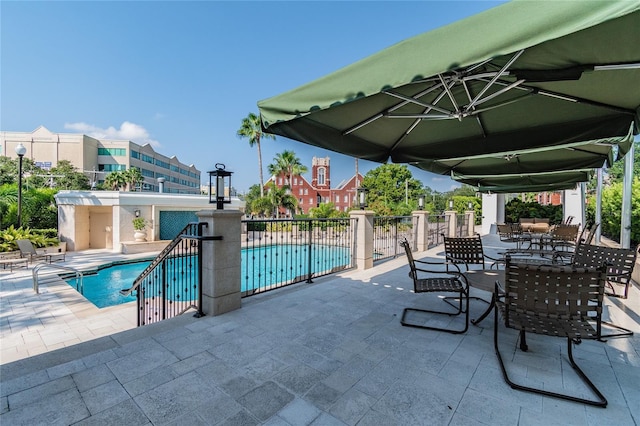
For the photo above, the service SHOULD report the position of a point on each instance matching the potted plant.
(139, 227)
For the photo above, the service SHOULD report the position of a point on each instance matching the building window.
(300, 191)
(337, 198)
(115, 152)
(280, 181)
(311, 201)
(300, 201)
(111, 167)
(135, 154)
(306, 191)
(346, 198)
(321, 172)
(295, 181)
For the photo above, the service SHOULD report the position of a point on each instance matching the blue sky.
(182, 75)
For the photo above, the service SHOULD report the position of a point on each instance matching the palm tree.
(115, 180)
(252, 129)
(281, 198)
(288, 164)
(133, 177)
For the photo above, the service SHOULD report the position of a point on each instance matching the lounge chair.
(553, 301)
(28, 251)
(440, 280)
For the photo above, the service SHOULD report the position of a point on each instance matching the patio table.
(485, 279)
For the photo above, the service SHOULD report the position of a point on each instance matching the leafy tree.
(251, 129)
(262, 206)
(616, 171)
(31, 174)
(133, 177)
(612, 211)
(70, 178)
(38, 207)
(280, 197)
(250, 197)
(326, 210)
(389, 185)
(115, 180)
(288, 164)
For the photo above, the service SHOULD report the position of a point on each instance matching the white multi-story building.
(97, 157)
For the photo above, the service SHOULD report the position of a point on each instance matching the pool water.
(103, 289)
(261, 267)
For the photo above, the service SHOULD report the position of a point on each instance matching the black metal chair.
(468, 251)
(560, 301)
(440, 280)
(619, 262)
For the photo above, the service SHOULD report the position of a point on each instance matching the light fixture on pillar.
(318, 200)
(450, 204)
(470, 205)
(21, 151)
(161, 181)
(421, 202)
(362, 197)
(222, 178)
(136, 212)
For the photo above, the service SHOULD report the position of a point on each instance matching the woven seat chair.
(440, 280)
(559, 301)
(563, 237)
(620, 263)
(513, 233)
(468, 251)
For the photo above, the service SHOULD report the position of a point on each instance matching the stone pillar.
(364, 238)
(452, 215)
(221, 278)
(471, 216)
(422, 231)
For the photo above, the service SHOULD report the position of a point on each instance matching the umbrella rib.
(418, 102)
(393, 108)
(495, 78)
(415, 123)
(478, 119)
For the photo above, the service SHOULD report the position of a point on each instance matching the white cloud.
(128, 131)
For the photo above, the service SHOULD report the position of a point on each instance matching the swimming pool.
(261, 268)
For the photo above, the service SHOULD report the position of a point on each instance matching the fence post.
(221, 281)
(471, 220)
(453, 222)
(422, 230)
(364, 238)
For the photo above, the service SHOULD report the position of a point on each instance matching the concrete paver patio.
(328, 353)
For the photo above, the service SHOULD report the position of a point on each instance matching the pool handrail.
(39, 266)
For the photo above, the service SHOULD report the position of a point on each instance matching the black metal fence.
(462, 225)
(170, 285)
(388, 231)
(437, 225)
(276, 253)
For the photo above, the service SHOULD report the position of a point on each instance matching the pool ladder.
(38, 267)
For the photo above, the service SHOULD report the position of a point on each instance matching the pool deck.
(328, 353)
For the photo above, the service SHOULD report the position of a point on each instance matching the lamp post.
(221, 175)
(421, 202)
(450, 204)
(362, 197)
(21, 151)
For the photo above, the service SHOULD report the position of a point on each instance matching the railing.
(388, 231)
(171, 284)
(38, 267)
(462, 225)
(437, 225)
(279, 252)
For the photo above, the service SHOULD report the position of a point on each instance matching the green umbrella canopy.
(529, 179)
(546, 159)
(524, 75)
(509, 189)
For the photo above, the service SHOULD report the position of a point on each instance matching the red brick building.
(546, 198)
(311, 194)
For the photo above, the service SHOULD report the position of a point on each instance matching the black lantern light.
(450, 204)
(21, 151)
(220, 175)
(421, 202)
(362, 197)
(470, 205)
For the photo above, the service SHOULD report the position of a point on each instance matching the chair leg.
(460, 310)
(625, 331)
(601, 401)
